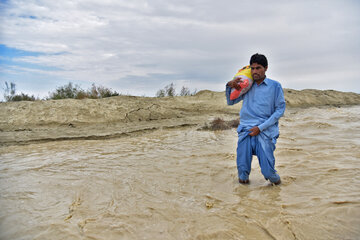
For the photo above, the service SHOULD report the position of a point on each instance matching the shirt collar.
(266, 81)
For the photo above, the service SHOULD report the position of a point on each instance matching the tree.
(160, 93)
(170, 90)
(11, 96)
(9, 91)
(185, 91)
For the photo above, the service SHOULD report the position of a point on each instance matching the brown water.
(182, 184)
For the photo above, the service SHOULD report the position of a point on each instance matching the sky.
(138, 47)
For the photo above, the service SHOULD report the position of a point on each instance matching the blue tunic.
(263, 105)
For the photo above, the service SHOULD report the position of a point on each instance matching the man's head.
(259, 65)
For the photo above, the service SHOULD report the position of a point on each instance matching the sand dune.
(22, 122)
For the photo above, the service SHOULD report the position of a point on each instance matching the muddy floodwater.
(182, 184)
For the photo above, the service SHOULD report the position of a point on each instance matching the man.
(258, 130)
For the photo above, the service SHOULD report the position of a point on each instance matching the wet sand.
(42, 121)
(147, 178)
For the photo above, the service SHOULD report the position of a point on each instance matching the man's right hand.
(235, 83)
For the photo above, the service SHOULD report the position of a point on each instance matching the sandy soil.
(26, 122)
(182, 183)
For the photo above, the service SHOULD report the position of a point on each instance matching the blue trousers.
(261, 146)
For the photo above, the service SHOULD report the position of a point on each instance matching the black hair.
(259, 59)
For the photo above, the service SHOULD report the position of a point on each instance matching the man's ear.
(266, 68)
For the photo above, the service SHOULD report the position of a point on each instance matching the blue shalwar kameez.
(263, 105)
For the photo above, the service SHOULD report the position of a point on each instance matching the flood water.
(182, 184)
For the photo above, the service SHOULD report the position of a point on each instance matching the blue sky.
(137, 47)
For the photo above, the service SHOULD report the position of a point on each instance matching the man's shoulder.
(272, 82)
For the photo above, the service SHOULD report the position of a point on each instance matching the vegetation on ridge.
(169, 91)
(74, 91)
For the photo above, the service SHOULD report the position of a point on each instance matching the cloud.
(140, 46)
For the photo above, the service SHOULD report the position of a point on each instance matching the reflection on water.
(182, 184)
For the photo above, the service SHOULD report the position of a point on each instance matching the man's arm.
(279, 109)
(233, 84)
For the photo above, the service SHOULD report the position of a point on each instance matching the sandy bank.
(312, 97)
(23, 122)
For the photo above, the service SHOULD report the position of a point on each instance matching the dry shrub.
(221, 124)
(218, 124)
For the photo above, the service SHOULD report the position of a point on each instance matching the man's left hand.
(254, 131)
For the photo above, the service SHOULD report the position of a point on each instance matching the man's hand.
(254, 131)
(235, 83)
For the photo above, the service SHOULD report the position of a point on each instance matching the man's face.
(257, 71)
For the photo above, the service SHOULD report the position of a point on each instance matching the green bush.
(66, 91)
(74, 91)
(22, 97)
(101, 92)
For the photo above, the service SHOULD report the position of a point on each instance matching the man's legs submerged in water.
(244, 157)
(263, 148)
